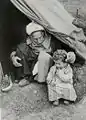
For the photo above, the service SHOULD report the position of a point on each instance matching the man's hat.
(33, 27)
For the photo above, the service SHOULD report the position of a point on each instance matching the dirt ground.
(31, 103)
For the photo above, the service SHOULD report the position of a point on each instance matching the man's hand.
(16, 62)
(15, 59)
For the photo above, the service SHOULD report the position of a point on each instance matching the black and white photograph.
(43, 60)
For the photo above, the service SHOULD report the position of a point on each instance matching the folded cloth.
(35, 69)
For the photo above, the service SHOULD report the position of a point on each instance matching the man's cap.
(33, 27)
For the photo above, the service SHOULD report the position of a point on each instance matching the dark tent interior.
(12, 31)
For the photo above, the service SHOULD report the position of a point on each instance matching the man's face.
(37, 36)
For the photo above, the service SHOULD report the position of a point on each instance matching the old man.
(38, 47)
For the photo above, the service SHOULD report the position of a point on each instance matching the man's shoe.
(16, 81)
(23, 83)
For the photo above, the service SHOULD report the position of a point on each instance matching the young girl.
(60, 78)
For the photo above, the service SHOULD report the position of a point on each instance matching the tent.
(55, 19)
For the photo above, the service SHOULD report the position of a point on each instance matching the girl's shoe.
(66, 102)
(56, 103)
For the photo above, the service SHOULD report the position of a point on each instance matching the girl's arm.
(67, 77)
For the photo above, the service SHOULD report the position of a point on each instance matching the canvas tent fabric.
(54, 18)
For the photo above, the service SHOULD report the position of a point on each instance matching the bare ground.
(31, 103)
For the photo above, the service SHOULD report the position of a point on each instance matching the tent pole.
(1, 72)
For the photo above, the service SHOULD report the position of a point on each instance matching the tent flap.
(54, 18)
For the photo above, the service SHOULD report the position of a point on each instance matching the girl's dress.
(60, 84)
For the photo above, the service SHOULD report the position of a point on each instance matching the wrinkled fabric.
(60, 85)
(28, 60)
(44, 63)
(55, 15)
(55, 19)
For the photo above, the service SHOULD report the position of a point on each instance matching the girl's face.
(38, 36)
(59, 64)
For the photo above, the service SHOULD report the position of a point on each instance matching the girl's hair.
(71, 57)
(59, 55)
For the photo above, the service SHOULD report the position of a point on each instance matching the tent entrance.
(12, 31)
